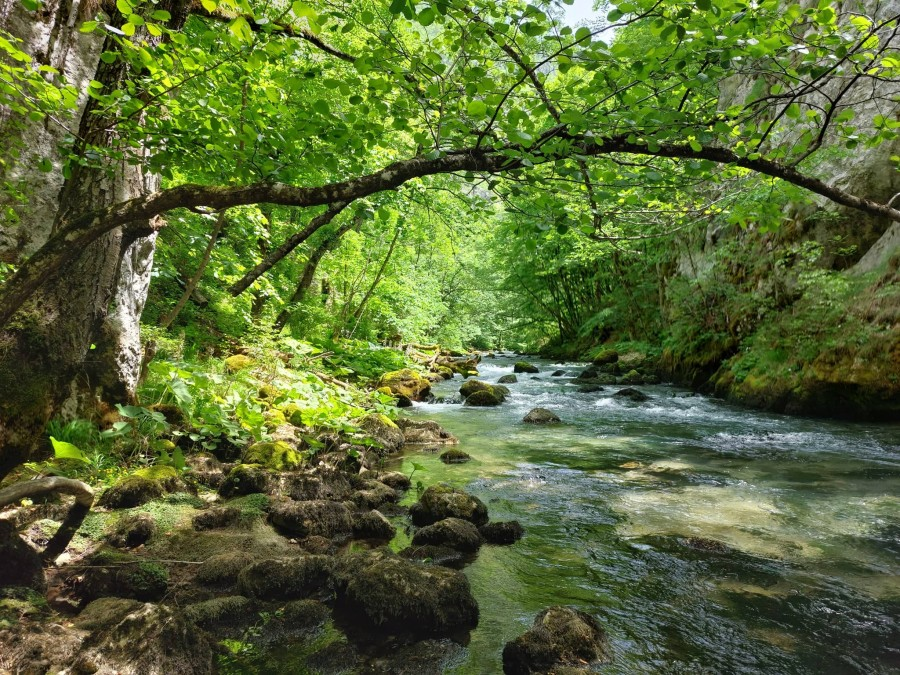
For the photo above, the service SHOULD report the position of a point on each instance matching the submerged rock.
(502, 533)
(401, 596)
(590, 389)
(442, 501)
(508, 379)
(312, 518)
(557, 373)
(632, 395)
(455, 456)
(541, 416)
(450, 532)
(525, 367)
(560, 637)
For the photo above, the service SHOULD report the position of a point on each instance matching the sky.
(579, 11)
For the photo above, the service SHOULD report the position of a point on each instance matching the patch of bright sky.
(579, 11)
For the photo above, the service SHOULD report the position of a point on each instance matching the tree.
(341, 102)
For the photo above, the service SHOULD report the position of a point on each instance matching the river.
(619, 500)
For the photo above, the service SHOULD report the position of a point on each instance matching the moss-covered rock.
(285, 578)
(590, 389)
(278, 456)
(393, 479)
(508, 379)
(133, 530)
(502, 533)
(450, 532)
(632, 377)
(406, 382)
(455, 456)
(631, 395)
(223, 569)
(402, 596)
(436, 555)
(604, 356)
(425, 432)
(541, 416)
(217, 612)
(275, 418)
(105, 613)
(525, 367)
(131, 491)
(268, 392)
(245, 479)
(320, 483)
(372, 525)
(374, 494)
(560, 637)
(238, 362)
(442, 501)
(218, 516)
(113, 573)
(383, 430)
(312, 518)
(484, 398)
(469, 387)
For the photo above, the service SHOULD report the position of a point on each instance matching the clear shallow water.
(809, 509)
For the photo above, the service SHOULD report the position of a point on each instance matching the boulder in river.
(560, 637)
(398, 595)
(590, 389)
(632, 377)
(442, 501)
(285, 578)
(455, 456)
(450, 532)
(425, 432)
(504, 532)
(525, 367)
(541, 416)
(605, 356)
(384, 431)
(372, 525)
(632, 395)
(557, 373)
(508, 379)
(484, 398)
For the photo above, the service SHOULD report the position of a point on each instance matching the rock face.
(502, 533)
(450, 532)
(632, 395)
(395, 594)
(313, 518)
(525, 367)
(541, 416)
(442, 501)
(20, 565)
(406, 382)
(560, 637)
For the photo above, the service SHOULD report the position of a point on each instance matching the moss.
(252, 507)
(223, 569)
(268, 392)
(278, 456)
(406, 382)
(19, 602)
(293, 414)
(244, 479)
(484, 398)
(238, 362)
(219, 611)
(158, 472)
(275, 418)
(285, 578)
(148, 580)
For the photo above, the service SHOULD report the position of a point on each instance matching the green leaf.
(704, 5)
(31, 5)
(397, 6)
(209, 5)
(125, 7)
(160, 15)
(89, 26)
(128, 29)
(64, 450)
(476, 108)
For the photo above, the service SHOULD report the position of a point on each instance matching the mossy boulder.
(631, 395)
(293, 413)
(425, 432)
(382, 429)
(525, 367)
(560, 637)
(508, 379)
(372, 525)
(632, 377)
(469, 387)
(634, 360)
(278, 456)
(541, 416)
(313, 518)
(320, 483)
(406, 382)
(393, 479)
(113, 573)
(442, 501)
(455, 456)
(105, 613)
(605, 356)
(217, 612)
(245, 479)
(502, 533)
(133, 530)
(216, 517)
(238, 362)
(484, 398)
(268, 392)
(373, 494)
(397, 595)
(275, 418)
(285, 578)
(451, 532)
(223, 569)
(173, 414)
(436, 555)
(141, 487)
(590, 389)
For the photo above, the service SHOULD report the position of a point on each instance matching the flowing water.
(619, 503)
